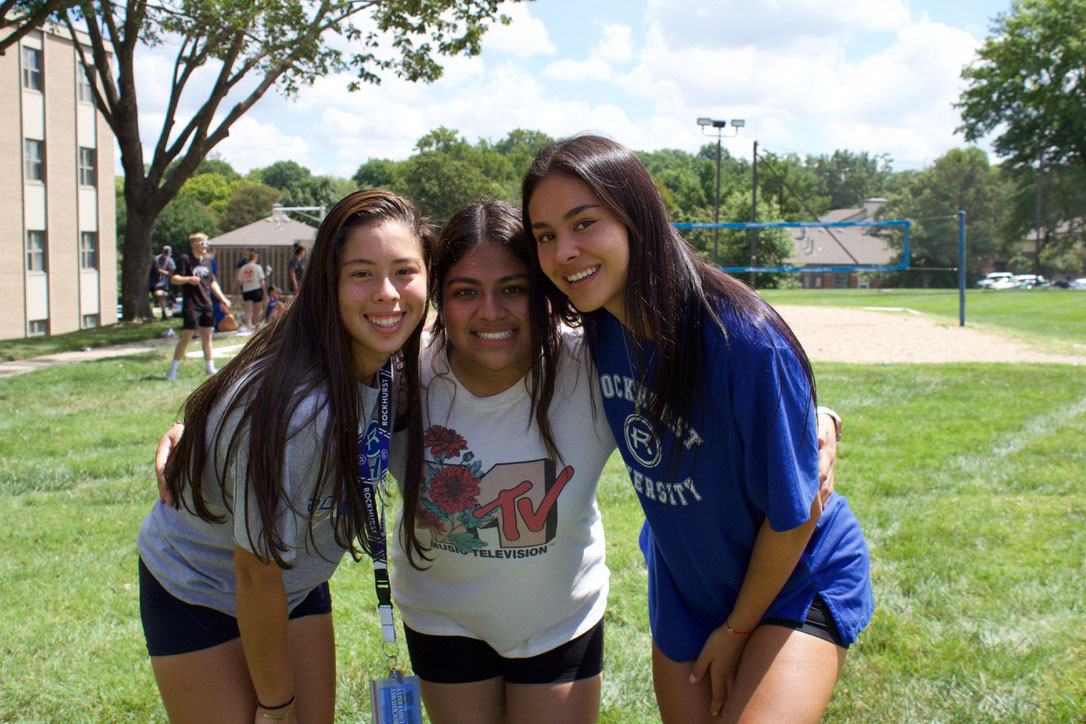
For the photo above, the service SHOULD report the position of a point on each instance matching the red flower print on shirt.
(443, 442)
(429, 519)
(454, 488)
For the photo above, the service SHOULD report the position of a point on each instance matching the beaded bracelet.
(264, 711)
(733, 632)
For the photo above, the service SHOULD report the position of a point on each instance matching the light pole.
(736, 123)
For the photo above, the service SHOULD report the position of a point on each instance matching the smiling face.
(582, 247)
(485, 311)
(381, 290)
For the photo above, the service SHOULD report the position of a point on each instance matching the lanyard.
(369, 479)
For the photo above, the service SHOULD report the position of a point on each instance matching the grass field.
(969, 481)
(1038, 314)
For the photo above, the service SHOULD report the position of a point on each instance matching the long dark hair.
(497, 222)
(304, 351)
(669, 292)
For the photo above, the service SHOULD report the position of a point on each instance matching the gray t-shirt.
(194, 559)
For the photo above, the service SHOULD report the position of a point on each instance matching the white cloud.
(617, 44)
(578, 70)
(524, 36)
(252, 144)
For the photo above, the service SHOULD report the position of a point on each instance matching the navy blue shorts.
(819, 623)
(172, 626)
(462, 660)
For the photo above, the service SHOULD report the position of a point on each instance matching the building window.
(88, 175)
(32, 78)
(89, 320)
(83, 89)
(88, 250)
(840, 280)
(35, 251)
(37, 326)
(35, 159)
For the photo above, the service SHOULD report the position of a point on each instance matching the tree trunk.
(135, 298)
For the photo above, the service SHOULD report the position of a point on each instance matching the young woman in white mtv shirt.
(504, 618)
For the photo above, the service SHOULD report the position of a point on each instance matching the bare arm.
(827, 455)
(162, 455)
(262, 621)
(772, 561)
(218, 293)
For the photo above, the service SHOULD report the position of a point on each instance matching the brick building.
(58, 240)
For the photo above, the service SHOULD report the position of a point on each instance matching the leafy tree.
(1028, 84)
(180, 218)
(847, 178)
(210, 189)
(1062, 248)
(961, 179)
(283, 175)
(22, 16)
(379, 173)
(248, 202)
(793, 188)
(254, 46)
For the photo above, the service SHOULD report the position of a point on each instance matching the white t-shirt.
(251, 276)
(516, 538)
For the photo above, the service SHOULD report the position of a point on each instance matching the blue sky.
(808, 76)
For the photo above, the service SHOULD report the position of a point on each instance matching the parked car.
(1030, 281)
(1079, 283)
(992, 277)
(1007, 282)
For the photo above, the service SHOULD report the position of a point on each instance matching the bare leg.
(208, 685)
(679, 701)
(784, 675)
(213, 684)
(205, 342)
(479, 702)
(574, 701)
(183, 343)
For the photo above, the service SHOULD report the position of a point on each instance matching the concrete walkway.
(22, 366)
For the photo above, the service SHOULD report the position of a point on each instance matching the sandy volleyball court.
(835, 334)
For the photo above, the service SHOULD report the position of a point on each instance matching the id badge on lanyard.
(395, 699)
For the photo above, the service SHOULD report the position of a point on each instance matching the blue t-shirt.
(748, 452)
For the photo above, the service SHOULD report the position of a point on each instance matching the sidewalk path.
(22, 366)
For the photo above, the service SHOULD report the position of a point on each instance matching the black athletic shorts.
(172, 626)
(253, 295)
(462, 660)
(193, 317)
(819, 623)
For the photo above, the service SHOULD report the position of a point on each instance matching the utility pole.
(719, 127)
(1037, 210)
(754, 213)
(716, 206)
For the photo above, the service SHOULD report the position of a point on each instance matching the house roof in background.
(275, 230)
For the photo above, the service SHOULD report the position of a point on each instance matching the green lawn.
(969, 481)
(1040, 314)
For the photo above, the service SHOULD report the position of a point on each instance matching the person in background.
(162, 268)
(237, 268)
(296, 269)
(197, 313)
(251, 278)
(275, 306)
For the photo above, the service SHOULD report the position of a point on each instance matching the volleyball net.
(814, 246)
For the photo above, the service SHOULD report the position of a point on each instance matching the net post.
(961, 267)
